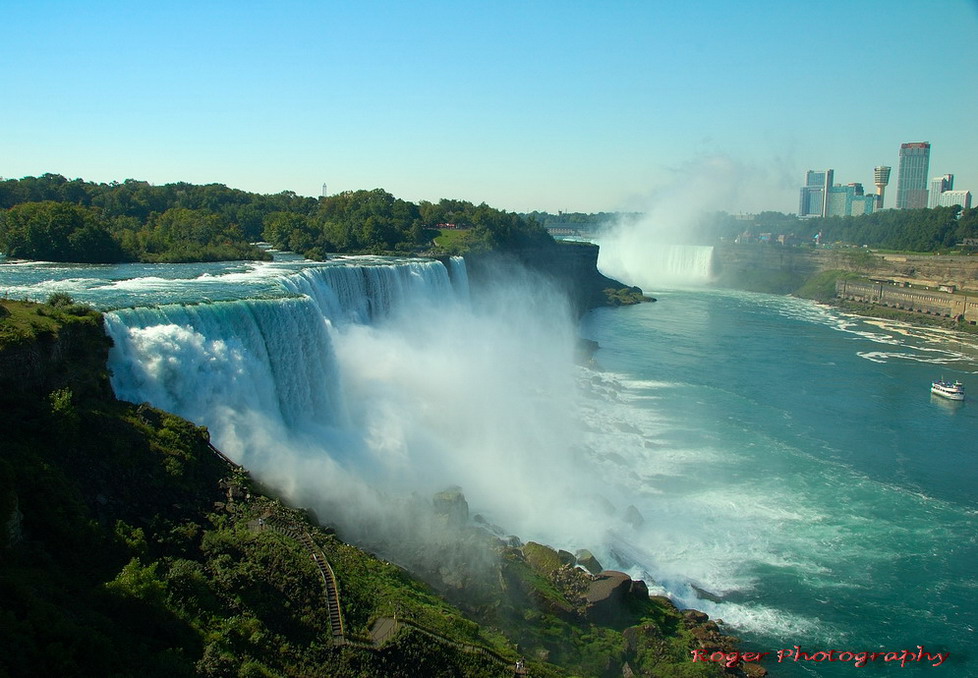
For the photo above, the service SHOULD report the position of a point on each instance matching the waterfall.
(651, 264)
(364, 294)
(273, 359)
(206, 362)
(370, 384)
(690, 264)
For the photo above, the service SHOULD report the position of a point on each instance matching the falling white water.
(375, 383)
(651, 264)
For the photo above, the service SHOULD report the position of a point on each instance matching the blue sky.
(572, 105)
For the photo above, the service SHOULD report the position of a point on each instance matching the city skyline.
(543, 106)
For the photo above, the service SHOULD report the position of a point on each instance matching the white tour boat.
(947, 389)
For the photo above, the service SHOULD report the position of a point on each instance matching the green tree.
(57, 231)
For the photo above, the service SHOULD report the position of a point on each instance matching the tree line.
(918, 230)
(56, 219)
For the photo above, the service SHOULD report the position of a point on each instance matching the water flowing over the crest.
(273, 357)
(369, 293)
(654, 264)
(269, 356)
(372, 381)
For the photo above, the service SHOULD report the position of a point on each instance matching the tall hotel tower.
(815, 193)
(912, 177)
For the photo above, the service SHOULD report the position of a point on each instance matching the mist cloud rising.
(364, 421)
(655, 243)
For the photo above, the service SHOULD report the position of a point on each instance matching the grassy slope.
(124, 555)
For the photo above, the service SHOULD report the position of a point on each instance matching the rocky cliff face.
(41, 359)
(573, 266)
(760, 268)
(772, 268)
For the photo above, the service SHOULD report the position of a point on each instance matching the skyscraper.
(912, 175)
(939, 185)
(815, 192)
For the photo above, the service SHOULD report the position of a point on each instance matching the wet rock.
(542, 558)
(489, 528)
(609, 593)
(451, 504)
(633, 517)
(566, 558)
(703, 594)
(587, 560)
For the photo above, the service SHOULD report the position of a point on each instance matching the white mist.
(379, 387)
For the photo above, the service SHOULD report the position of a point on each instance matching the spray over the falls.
(367, 386)
(377, 384)
(660, 241)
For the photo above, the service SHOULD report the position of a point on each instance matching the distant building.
(881, 177)
(912, 175)
(942, 193)
(937, 186)
(848, 201)
(812, 202)
(952, 198)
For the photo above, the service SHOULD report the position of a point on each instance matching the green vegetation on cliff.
(131, 547)
(821, 286)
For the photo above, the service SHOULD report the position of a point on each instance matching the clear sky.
(523, 104)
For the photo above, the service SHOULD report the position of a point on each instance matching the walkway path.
(384, 628)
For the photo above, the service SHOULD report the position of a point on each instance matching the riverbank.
(927, 290)
(777, 268)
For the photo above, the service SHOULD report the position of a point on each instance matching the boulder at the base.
(609, 593)
(566, 558)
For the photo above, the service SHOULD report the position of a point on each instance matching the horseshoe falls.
(775, 463)
(651, 264)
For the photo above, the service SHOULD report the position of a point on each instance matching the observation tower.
(881, 177)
